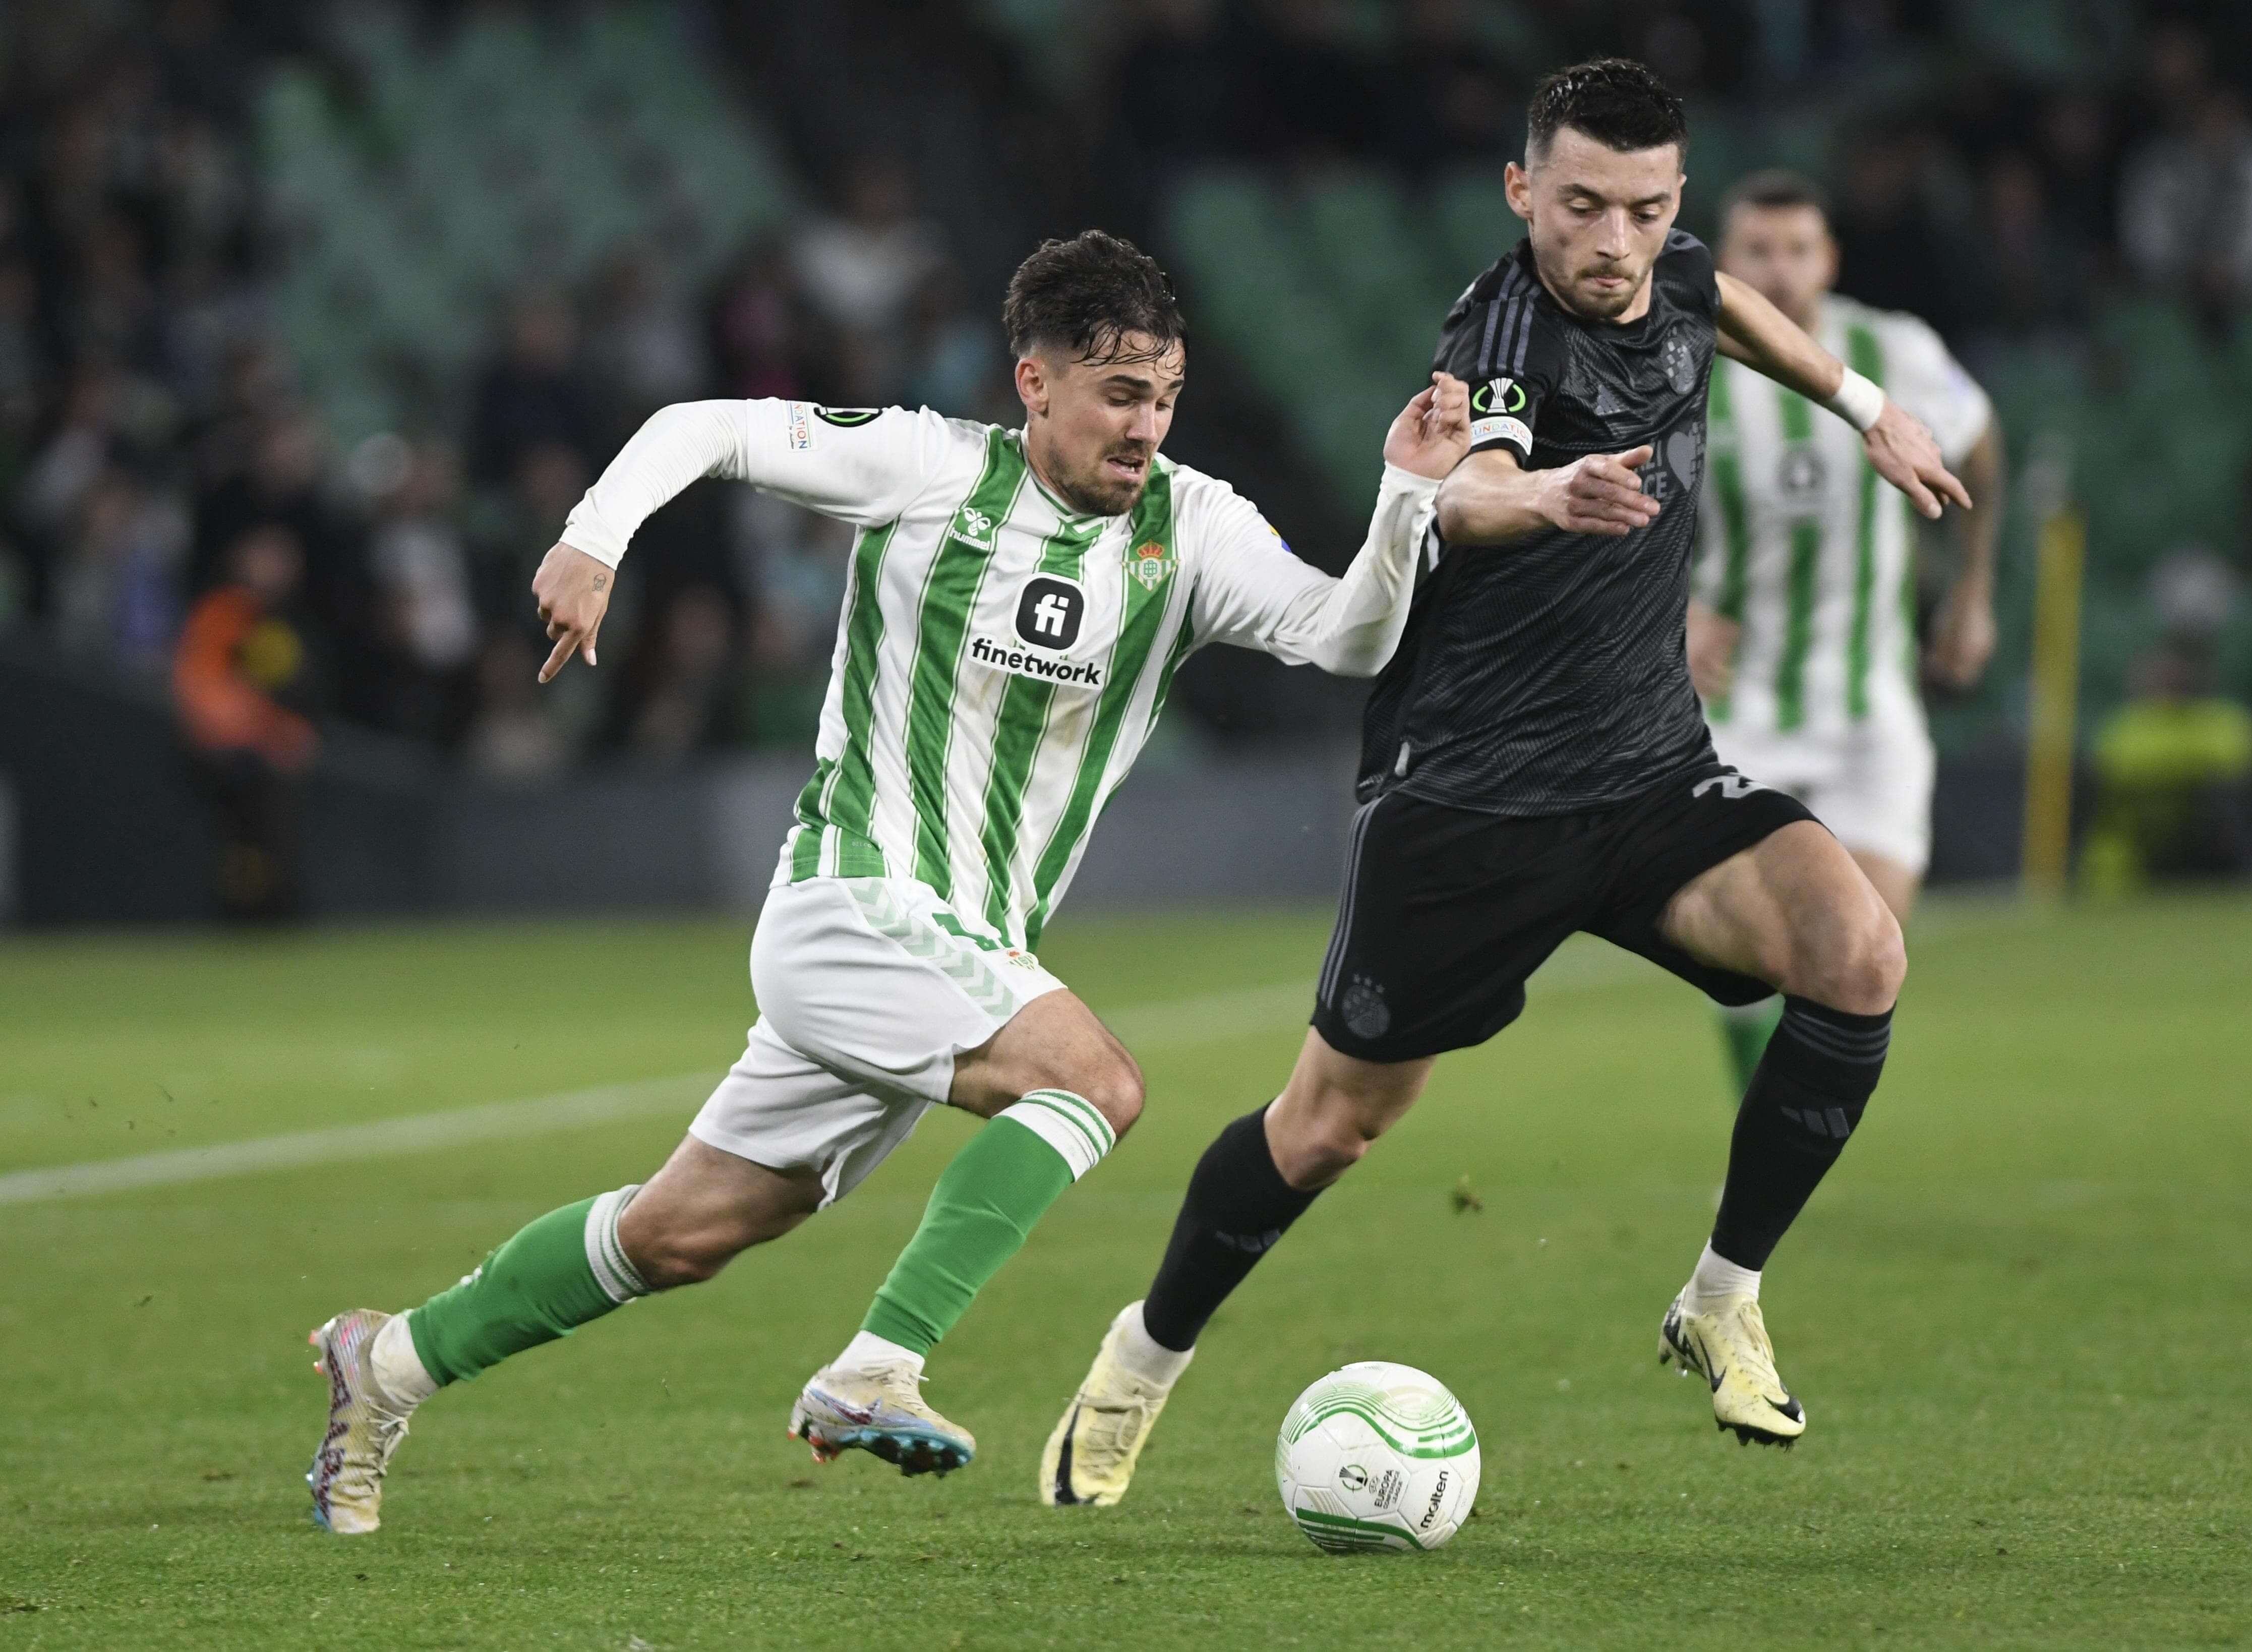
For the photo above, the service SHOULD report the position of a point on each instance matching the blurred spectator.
(117, 585)
(761, 335)
(1174, 91)
(281, 480)
(514, 736)
(514, 530)
(240, 680)
(22, 364)
(641, 350)
(2079, 162)
(953, 352)
(83, 444)
(427, 623)
(2030, 278)
(2186, 205)
(529, 395)
(794, 563)
(1454, 101)
(860, 269)
(2171, 768)
(690, 691)
(1308, 95)
(1892, 251)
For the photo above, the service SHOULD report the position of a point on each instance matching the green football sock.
(1747, 1028)
(982, 1211)
(553, 1277)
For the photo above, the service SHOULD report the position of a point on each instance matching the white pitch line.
(1211, 1019)
(1150, 1029)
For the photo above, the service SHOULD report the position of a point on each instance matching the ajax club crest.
(1150, 563)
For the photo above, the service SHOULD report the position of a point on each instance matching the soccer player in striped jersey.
(1018, 602)
(1802, 617)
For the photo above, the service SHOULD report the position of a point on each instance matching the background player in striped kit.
(1802, 620)
(1018, 602)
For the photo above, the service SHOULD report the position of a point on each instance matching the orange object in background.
(234, 657)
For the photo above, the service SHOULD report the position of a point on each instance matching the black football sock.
(1803, 1103)
(1238, 1206)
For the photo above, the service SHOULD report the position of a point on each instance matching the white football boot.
(878, 1410)
(1091, 1454)
(1728, 1347)
(365, 1426)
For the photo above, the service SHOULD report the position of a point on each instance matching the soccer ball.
(1377, 1456)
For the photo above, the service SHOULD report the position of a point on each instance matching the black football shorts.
(1447, 911)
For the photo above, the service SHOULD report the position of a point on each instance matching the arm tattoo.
(601, 580)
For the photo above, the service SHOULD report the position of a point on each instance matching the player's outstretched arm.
(1755, 333)
(1491, 499)
(859, 467)
(1253, 593)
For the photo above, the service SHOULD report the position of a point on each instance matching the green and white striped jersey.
(1804, 543)
(1002, 658)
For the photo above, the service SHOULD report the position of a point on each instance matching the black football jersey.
(1551, 674)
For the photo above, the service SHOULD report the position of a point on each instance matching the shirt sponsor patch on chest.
(1050, 611)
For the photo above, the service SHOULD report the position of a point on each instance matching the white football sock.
(869, 1353)
(1144, 1356)
(1716, 1277)
(398, 1368)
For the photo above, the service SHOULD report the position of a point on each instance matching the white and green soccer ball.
(1378, 1456)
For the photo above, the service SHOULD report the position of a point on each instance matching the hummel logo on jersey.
(1048, 614)
(974, 528)
(1731, 786)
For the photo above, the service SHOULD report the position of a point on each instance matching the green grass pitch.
(2018, 1315)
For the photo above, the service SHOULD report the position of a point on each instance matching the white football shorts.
(868, 989)
(1870, 785)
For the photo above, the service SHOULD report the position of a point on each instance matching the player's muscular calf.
(706, 1207)
(1795, 912)
(1334, 1105)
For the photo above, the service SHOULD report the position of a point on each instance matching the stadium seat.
(584, 134)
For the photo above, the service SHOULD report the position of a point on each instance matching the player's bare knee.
(1116, 1090)
(1857, 966)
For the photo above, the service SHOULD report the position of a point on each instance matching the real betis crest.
(1150, 563)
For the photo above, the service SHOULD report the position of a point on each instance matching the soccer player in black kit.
(1535, 762)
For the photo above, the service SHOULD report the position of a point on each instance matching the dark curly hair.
(1615, 100)
(1085, 295)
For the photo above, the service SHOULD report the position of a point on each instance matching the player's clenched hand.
(574, 591)
(1713, 639)
(1601, 494)
(1904, 455)
(1433, 432)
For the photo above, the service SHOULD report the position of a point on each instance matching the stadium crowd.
(172, 507)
